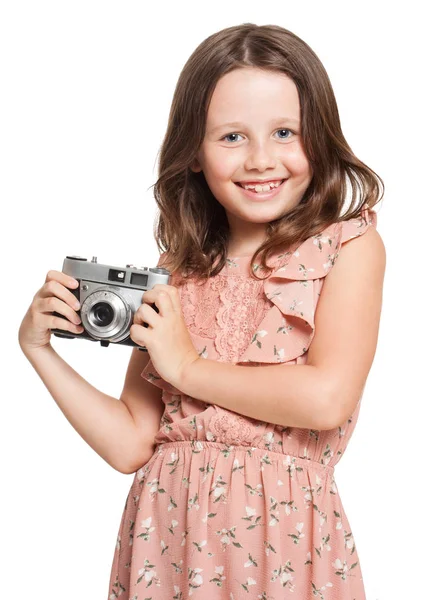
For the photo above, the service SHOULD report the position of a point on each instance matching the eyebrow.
(238, 124)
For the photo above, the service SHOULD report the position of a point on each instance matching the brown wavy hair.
(192, 227)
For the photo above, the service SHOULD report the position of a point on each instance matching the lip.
(260, 196)
(261, 181)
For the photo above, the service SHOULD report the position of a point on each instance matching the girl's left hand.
(166, 338)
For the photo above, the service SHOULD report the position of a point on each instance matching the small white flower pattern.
(229, 507)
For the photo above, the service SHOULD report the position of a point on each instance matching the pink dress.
(229, 507)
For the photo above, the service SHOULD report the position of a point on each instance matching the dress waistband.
(198, 445)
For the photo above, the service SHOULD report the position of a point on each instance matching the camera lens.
(102, 314)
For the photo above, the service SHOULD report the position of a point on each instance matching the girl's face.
(253, 133)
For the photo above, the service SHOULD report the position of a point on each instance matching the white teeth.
(262, 188)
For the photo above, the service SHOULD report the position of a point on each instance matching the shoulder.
(360, 260)
(361, 249)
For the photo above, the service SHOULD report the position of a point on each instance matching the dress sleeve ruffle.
(287, 330)
(152, 376)
(293, 288)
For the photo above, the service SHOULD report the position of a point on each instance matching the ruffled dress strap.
(359, 225)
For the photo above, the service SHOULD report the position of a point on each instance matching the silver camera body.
(109, 296)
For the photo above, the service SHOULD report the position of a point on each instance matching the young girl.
(234, 451)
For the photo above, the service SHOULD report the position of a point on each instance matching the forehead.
(248, 93)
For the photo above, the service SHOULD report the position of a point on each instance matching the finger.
(139, 335)
(157, 292)
(164, 303)
(175, 297)
(52, 304)
(162, 300)
(54, 288)
(146, 314)
(62, 278)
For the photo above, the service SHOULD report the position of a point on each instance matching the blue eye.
(284, 129)
(226, 136)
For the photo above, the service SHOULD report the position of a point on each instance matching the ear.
(195, 166)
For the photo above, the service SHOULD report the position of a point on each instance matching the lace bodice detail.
(209, 312)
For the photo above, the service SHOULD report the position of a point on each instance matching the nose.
(260, 157)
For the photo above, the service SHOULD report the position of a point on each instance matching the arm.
(293, 395)
(324, 392)
(347, 320)
(145, 404)
(102, 421)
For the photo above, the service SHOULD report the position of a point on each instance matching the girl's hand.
(166, 338)
(35, 329)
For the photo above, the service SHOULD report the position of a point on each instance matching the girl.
(234, 490)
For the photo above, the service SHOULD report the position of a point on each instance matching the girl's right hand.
(35, 330)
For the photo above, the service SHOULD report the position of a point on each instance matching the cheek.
(298, 164)
(220, 172)
(220, 164)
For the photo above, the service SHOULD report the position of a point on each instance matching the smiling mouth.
(261, 191)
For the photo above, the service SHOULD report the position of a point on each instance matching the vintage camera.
(109, 296)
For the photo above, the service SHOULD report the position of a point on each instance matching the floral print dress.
(229, 507)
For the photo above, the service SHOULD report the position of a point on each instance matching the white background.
(85, 94)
